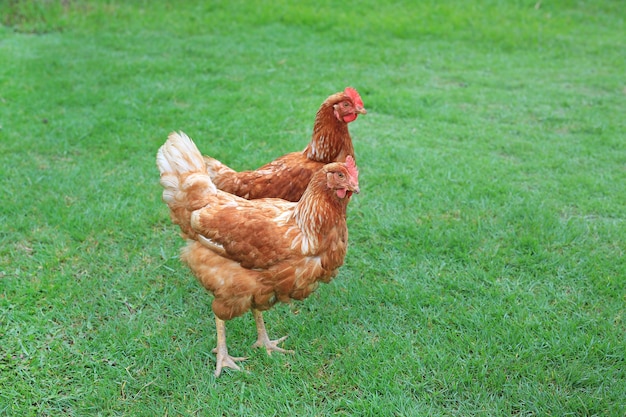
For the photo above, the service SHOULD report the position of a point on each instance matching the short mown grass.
(486, 270)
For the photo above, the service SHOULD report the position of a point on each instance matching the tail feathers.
(179, 155)
(216, 168)
(186, 185)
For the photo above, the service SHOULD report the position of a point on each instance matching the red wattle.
(349, 117)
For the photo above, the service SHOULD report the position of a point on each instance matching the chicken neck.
(331, 139)
(317, 200)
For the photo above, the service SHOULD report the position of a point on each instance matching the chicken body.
(288, 176)
(251, 254)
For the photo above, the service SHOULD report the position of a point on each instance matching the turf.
(486, 270)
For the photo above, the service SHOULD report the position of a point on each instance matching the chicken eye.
(346, 104)
(341, 175)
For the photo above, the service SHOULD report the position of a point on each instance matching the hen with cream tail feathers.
(251, 254)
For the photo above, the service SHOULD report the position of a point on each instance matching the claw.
(223, 359)
(271, 345)
(263, 340)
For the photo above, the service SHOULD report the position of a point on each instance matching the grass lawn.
(486, 270)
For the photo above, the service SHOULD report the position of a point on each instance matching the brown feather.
(288, 176)
(253, 253)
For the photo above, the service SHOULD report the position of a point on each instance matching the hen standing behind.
(288, 176)
(253, 253)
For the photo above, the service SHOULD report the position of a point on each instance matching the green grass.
(486, 270)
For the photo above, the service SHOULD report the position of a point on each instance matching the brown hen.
(251, 254)
(288, 176)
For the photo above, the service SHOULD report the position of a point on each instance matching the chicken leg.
(263, 339)
(223, 358)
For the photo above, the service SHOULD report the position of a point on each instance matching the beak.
(360, 110)
(355, 188)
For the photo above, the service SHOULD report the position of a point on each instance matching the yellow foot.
(224, 360)
(263, 339)
(270, 345)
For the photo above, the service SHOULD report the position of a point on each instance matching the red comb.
(354, 96)
(351, 166)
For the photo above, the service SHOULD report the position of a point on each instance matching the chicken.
(288, 176)
(251, 254)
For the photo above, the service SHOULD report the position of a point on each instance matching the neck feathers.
(331, 139)
(319, 209)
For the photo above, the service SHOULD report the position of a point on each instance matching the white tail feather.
(179, 155)
(182, 166)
